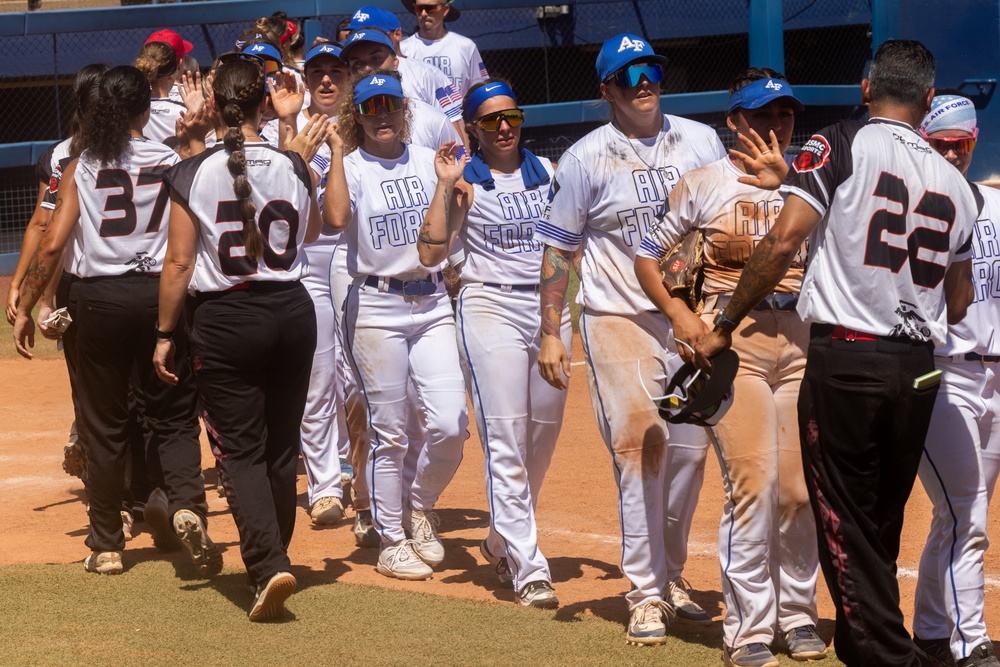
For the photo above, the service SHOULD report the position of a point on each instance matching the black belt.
(780, 301)
(985, 358)
(423, 287)
(512, 288)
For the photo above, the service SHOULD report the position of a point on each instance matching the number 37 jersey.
(282, 192)
(124, 210)
(895, 216)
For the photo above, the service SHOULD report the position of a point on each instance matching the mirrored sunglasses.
(961, 145)
(430, 9)
(491, 121)
(631, 76)
(371, 106)
(270, 66)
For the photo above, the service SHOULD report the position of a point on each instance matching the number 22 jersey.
(895, 215)
(282, 191)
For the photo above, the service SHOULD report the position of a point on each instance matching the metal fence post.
(885, 21)
(767, 39)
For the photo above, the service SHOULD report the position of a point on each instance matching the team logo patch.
(636, 45)
(256, 48)
(553, 189)
(376, 81)
(358, 35)
(677, 265)
(54, 180)
(360, 16)
(815, 154)
(773, 85)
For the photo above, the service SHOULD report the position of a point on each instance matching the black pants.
(862, 427)
(115, 318)
(252, 351)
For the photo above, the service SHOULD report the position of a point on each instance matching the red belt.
(843, 333)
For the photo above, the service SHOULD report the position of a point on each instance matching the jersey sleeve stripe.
(652, 249)
(549, 230)
(805, 196)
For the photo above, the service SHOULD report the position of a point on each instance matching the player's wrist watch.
(724, 323)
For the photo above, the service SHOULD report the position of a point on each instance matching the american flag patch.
(447, 96)
(482, 71)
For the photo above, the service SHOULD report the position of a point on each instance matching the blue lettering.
(396, 229)
(403, 193)
(635, 223)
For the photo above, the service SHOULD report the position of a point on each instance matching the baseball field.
(160, 613)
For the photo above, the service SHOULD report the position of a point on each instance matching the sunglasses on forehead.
(370, 107)
(631, 76)
(430, 9)
(961, 145)
(269, 66)
(491, 122)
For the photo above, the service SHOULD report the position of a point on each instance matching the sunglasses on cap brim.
(631, 76)
(491, 122)
(269, 66)
(961, 145)
(371, 106)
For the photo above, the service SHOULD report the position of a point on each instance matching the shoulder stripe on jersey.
(548, 229)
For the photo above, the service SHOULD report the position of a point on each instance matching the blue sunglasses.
(631, 76)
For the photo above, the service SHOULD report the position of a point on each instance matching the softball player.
(962, 453)
(767, 537)
(240, 213)
(889, 267)
(398, 323)
(158, 62)
(455, 55)
(610, 187)
(113, 202)
(494, 211)
(323, 425)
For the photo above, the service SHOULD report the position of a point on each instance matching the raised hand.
(447, 166)
(308, 141)
(764, 163)
(286, 96)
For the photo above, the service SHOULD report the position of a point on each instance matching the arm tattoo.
(555, 282)
(762, 272)
(425, 237)
(35, 280)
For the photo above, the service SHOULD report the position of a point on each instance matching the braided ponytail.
(239, 89)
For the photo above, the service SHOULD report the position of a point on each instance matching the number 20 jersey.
(282, 191)
(124, 210)
(895, 215)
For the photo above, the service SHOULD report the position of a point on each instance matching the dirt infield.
(42, 518)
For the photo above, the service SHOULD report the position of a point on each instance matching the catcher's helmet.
(694, 397)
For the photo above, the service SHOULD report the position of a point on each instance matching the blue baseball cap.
(373, 36)
(373, 17)
(756, 94)
(323, 50)
(621, 50)
(377, 84)
(262, 50)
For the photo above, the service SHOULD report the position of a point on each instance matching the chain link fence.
(548, 52)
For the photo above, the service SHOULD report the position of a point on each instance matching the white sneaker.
(104, 562)
(685, 608)
(538, 594)
(204, 552)
(427, 542)
(400, 561)
(326, 511)
(646, 627)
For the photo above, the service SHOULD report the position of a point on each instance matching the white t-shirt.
(455, 55)
(895, 216)
(977, 332)
(429, 84)
(389, 199)
(163, 115)
(124, 212)
(282, 192)
(734, 218)
(608, 192)
(499, 230)
(429, 127)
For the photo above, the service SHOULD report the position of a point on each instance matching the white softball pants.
(626, 354)
(959, 472)
(518, 415)
(323, 421)
(390, 340)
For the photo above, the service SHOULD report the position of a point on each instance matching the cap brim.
(188, 47)
(724, 368)
(758, 103)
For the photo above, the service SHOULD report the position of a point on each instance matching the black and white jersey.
(282, 192)
(124, 211)
(895, 215)
(163, 115)
(50, 168)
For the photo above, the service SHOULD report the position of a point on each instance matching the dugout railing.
(548, 52)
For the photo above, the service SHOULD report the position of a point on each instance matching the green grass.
(61, 615)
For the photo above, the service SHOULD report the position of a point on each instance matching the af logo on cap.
(773, 85)
(376, 81)
(636, 45)
(360, 16)
(357, 36)
(256, 48)
(327, 49)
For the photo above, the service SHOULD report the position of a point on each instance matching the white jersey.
(163, 115)
(608, 192)
(124, 212)
(734, 218)
(499, 230)
(429, 127)
(389, 199)
(282, 191)
(429, 84)
(456, 56)
(977, 332)
(895, 216)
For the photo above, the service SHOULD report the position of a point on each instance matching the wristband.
(724, 323)
(163, 335)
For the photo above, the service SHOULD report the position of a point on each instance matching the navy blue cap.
(621, 50)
